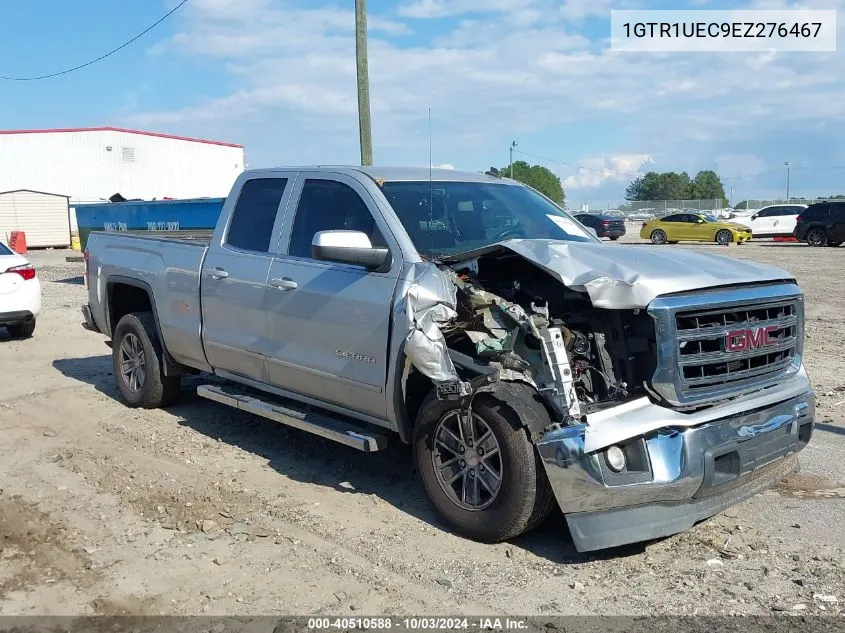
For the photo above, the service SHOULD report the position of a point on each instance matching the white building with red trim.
(90, 164)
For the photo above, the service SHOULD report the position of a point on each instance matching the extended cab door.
(329, 323)
(234, 277)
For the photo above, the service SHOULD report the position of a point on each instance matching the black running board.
(331, 428)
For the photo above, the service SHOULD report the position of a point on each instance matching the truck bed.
(167, 264)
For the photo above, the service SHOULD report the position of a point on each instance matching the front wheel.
(658, 237)
(481, 475)
(816, 237)
(138, 370)
(724, 237)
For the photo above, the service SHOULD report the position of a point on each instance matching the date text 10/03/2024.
(419, 624)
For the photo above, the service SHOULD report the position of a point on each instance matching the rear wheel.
(658, 237)
(724, 237)
(21, 330)
(816, 237)
(138, 369)
(482, 478)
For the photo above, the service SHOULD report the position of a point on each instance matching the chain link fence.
(641, 208)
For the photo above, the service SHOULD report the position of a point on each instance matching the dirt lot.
(201, 509)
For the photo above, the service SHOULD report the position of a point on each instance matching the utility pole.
(510, 168)
(364, 127)
(787, 180)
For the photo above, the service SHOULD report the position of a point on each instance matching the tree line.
(671, 185)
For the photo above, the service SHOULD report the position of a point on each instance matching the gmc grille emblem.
(753, 338)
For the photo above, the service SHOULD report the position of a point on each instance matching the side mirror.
(349, 247)
(699, 221)
(755, 216)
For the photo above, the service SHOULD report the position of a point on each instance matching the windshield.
(463, 216)
(709, 218)
(4, 250)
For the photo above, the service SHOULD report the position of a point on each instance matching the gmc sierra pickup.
(526, 362)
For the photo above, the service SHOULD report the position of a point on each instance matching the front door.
(328, 323)
(234, 280)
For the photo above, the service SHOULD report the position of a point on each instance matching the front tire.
(724, 237)
(658, 237)
(817, 237)
(490, 487)
(138, 370)
(21, 330)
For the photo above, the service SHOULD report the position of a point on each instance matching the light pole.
(510, 169)
(787, 180)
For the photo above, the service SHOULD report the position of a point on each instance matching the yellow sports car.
(693, 227)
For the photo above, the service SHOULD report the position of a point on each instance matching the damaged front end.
(624, 464)
(517, 324)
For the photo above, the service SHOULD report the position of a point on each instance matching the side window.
(327, 205)
(255, 212)
(837, 212)
(673, 218)
(767, 213)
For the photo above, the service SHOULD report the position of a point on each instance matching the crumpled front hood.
(629, 277)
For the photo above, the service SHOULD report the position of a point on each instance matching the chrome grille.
(716, 345)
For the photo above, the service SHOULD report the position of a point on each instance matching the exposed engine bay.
(516, 318)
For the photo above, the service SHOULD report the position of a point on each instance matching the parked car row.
(819, 224)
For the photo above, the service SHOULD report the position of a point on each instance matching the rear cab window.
(254, 216)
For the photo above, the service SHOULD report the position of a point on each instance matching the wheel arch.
(125, 295)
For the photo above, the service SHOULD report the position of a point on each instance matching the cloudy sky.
(279, 76)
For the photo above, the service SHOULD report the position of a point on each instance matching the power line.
(101, 57)
(560, 162)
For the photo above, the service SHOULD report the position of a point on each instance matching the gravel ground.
(202, 509)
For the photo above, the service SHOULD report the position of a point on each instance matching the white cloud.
(598, 171)
(503, 69)
(451, 8)
(445, 166)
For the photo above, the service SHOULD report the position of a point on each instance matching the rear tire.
(658, 236)
(613, 239)
(817, 237)
(523, 498)
(21, 330)
(724, 237)
(138, 370)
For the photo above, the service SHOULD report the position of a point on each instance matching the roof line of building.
(43, 193)
(126, 130)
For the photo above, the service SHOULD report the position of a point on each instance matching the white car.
(776, 220)
(20, 294)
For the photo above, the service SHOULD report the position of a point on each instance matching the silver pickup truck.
(640, 389)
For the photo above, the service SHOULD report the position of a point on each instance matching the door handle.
(285, 283)
(218, 273)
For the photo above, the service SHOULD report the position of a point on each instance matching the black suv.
(822, 224)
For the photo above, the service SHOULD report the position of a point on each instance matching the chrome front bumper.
(674, 477)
